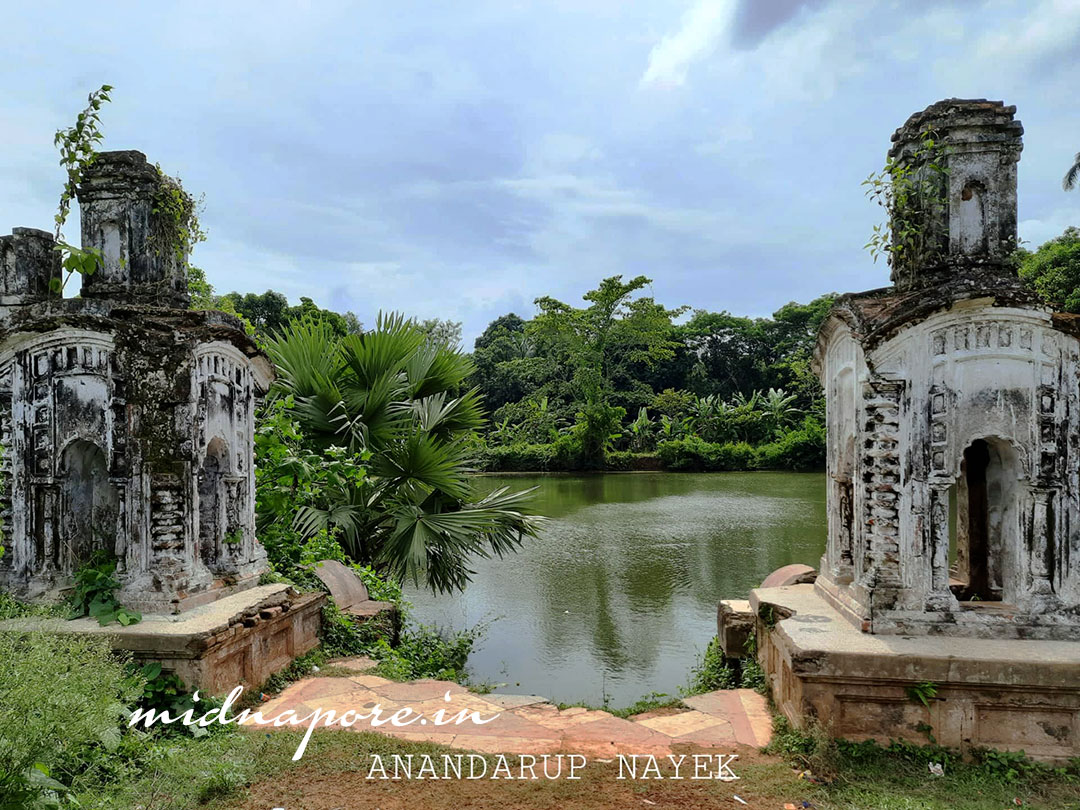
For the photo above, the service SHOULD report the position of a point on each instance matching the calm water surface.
(618, 597)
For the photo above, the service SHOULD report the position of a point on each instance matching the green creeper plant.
(922, 693)
(78, 150)
(912, 192)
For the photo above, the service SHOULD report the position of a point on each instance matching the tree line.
(624, 381)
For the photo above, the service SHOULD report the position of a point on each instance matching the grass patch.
(652, 702)
(898, 777)
(249, 770)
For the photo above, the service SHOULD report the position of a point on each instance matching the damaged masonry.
(127, 422)
(952, 563)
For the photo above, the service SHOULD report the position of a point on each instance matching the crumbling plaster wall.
(973, 371)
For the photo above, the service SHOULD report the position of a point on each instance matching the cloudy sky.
(459, 159)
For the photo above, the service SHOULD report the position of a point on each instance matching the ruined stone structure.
(954, 417)
(953, 460)
(127, 420)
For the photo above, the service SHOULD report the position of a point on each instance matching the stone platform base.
(240, 639)
(990, 693)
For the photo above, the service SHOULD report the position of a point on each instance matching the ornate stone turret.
(28, 263)
(122, 216)
(951, 400)
(953, 414)
(961, 214)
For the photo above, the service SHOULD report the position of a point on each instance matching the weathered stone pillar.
(881, 407)
(964, 154)
(28, 266)
(1041, 543)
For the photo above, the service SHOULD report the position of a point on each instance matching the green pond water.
(618, 597)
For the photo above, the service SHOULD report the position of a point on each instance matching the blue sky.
(459, 159)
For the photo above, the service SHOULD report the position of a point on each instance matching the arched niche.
(971, 218)
(213, 501)
(841, 448)
(987, 522)
(90, 504)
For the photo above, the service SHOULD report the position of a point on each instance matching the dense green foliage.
(62, 699)
(620, 384)
(94, 593)
(1053, 270)
(270, 312)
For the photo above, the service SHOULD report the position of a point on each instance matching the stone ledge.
(822, 638)
(998, 693)
(734, 624)
(241, 639)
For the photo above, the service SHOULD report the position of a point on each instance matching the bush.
(801, 448)
(694, 454)
(427, 652)
(564, 454)
(515, 457)
(712, 672)
(59, 695)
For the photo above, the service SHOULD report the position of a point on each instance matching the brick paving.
(528, 724)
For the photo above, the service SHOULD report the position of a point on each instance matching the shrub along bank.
(801, 448)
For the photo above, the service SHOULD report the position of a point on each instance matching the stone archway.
(89, 504)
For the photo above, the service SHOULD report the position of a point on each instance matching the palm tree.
(1072, 175)
(397, 397)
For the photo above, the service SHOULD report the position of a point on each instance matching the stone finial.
(968, 176)
(28, 264)
(117, 201)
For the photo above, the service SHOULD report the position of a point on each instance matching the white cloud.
(807, 62)
(1051, 27)
(1036, 231)
(703, 27)
(734, 132)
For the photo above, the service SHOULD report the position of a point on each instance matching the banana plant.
(641, 432)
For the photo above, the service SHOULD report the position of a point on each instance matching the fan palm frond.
(396, 396)
(1072, 175)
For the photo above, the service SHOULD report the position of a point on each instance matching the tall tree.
(1054, 270)
(615, 326)
(595, 341)
(443, 333)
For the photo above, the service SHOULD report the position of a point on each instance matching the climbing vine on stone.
(175, 226)
(912, 192)
(78, 150)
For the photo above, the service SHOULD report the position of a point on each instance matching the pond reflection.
(618, 598)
